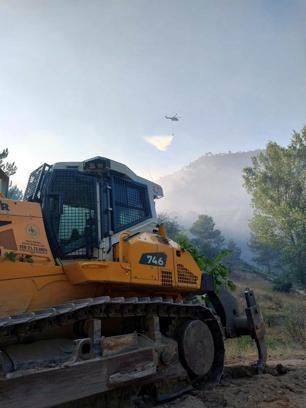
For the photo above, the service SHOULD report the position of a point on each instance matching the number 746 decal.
(153, 258)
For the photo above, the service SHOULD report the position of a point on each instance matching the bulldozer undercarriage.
(153, 344)
(168, 344)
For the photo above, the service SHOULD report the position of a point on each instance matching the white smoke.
(161, 142)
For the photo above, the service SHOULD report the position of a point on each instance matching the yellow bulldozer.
(94, 297)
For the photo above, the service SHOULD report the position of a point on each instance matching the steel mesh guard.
(130, 203)
(73, 221)
(33, 189)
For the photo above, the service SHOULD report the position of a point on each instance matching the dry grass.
(285, 318)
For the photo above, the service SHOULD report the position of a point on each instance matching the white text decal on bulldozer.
(153, 258)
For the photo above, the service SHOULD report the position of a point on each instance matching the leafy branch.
(213, 266)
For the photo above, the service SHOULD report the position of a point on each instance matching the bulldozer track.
(21, 325)
(164, 384)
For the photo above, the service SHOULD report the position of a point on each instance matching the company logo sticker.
(32, 230)
(4, 206)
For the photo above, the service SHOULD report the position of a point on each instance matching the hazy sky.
(95, 77)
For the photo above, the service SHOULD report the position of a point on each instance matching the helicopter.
(174, 118)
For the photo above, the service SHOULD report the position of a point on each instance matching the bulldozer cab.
(86, 205)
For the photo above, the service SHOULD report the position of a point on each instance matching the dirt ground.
(283, 385)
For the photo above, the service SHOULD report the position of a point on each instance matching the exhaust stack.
(4, 183)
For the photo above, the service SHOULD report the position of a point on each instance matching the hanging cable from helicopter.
(174, 118)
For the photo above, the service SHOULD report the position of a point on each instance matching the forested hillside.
(212, 185)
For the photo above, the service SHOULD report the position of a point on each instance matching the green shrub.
(282, 284)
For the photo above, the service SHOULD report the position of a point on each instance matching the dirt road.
(282, 386)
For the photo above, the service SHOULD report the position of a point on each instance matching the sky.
(80, 79)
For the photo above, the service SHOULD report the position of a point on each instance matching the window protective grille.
(73, 222)
(35, 183)
(130, 202)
